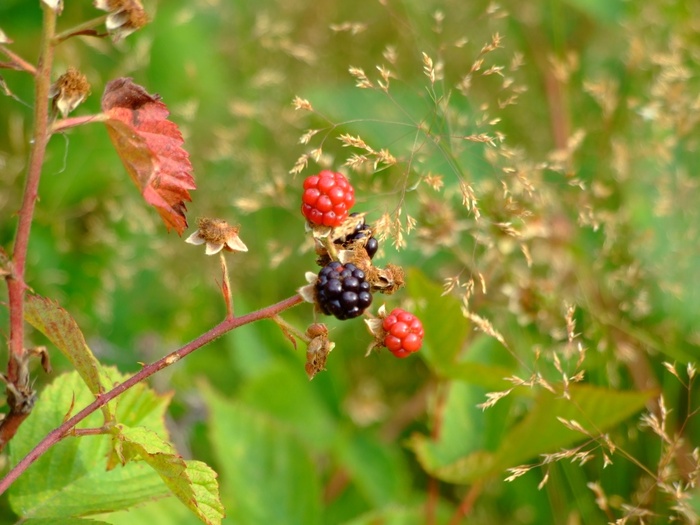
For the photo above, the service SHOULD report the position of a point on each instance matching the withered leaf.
(150, 147)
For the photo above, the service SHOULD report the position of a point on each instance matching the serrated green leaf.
(193, 482)
(260, 459)
(445, 327)
(71, 479)
(62, 330)
(540, 432)
(140, 406)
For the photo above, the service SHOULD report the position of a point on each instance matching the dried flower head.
(69, 91)
(317, 349)
(217, 234)
(124, 18)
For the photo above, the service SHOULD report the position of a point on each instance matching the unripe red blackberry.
(327, 198)
(342, 291)
(362, 231)
(404, 333)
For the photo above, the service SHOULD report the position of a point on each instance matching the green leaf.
(398, 515)
(62, 330)
(71, 478)
(540, 432)
(605, 11)
(445, 327)
(462, 427)
(139, 406)
(378, 470)
(168, 511)
(290, 397)
(261, 460)
(63, 521)
(193, 482)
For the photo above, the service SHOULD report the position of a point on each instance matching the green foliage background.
(606, 133)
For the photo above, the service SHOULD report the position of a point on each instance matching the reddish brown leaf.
(150, 146)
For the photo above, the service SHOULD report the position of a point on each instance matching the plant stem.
(81, 29)
(65, 429)
(226, 285)
(20, 395)
(18, 62)
(66, 123)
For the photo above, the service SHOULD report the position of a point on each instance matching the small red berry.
(404, 333)
(327, 198)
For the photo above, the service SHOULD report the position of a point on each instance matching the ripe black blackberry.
(342, 291)
(361, 231)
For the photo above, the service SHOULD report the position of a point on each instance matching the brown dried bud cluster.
(318, 349)
(124, 18)
(218, 235)
(69, 91)
(383, 280)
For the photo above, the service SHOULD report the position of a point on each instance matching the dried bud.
(218, 235)
(374, 325)
(69, 91)
(124, 18)
(386, 280)
(318, 349)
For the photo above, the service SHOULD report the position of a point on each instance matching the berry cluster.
(345, 245)
(342, 291)
(404, 332)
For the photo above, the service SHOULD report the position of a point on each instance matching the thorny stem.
(66, 428)
(20, 395)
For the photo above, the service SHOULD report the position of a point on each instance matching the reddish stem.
(465, 507)
(72, 122)
(18, 62)
(19, 391)
(59, 433)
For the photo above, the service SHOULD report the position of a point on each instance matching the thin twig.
(17, 61)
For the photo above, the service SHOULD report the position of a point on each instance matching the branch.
(60, 125)
(65, 429)
(18, 62)
(20, 395)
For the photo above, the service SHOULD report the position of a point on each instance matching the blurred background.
(531, 165)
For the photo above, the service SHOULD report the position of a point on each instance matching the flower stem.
(66, 428)
(226, 286)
